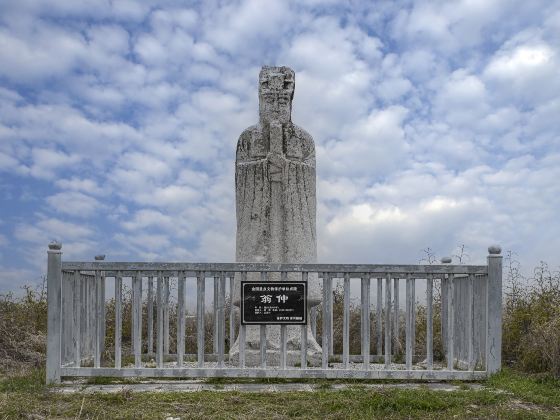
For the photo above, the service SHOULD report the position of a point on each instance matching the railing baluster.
(346, 323)
(83, 317)
(388, 321)
(77, 319)
(450, 323)
(379, 318)
(137, 319)
(330, 318)
(303, 356)
(150, 315)
(313, 321)
(430, 322)
(325, 326)
(98, 319)
(231, 312)
(263, 332)
(215, 338)
(242, 345)
(102, 304)
(263, 345)
(181, 277)
(64, 316)
(470, 323)
(132, 315)
(200, 286)
(365, 281)
(221, 319)
(444, 306)
(396, 308)
(166, 316)
(241, 329)
(118, 320)
(283, 333)
(68, 313)
(283, 346)
(413, 331)
(160, 323)
(408, 323)
(90, 316)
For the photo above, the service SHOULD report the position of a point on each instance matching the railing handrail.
(369, 269)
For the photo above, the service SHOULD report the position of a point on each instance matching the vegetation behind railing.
(531, 319)
(23, 329)
(355, 321)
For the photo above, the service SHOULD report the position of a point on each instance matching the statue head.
(276, 91)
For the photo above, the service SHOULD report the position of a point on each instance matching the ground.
(507, 395)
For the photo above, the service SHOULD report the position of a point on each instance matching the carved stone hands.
(276, 159)
(275, 166)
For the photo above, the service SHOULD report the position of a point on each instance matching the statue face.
(276, 91)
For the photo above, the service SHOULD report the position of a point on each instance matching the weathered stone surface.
(276, 200)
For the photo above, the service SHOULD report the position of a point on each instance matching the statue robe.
(255, 201)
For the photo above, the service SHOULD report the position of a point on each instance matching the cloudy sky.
(436, 124)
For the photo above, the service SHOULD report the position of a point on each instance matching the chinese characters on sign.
(273, 302)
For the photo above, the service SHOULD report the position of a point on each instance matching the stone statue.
(276, 203)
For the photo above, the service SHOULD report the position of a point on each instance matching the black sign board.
(269, 302)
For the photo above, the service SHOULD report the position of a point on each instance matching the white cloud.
(171, 196)
(518, 62)
(371, 148)
(9, 163)
(110, 38)
(46, 161)
(236, 25)
(525, 71)
(49, 229)
(53, 53)
(89, 186)
(74, 204)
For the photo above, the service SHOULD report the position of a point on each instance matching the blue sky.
(436, 124)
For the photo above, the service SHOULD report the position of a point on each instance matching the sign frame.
(273, 284)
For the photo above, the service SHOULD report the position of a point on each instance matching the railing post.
(54, 282)
(494, 311)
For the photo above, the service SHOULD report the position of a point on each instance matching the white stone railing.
(470, 297)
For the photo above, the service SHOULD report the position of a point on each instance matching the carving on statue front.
(276, 202)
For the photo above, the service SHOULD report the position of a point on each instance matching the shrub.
(23, 329)
(531, 319)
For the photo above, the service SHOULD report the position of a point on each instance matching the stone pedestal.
(293, 357)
